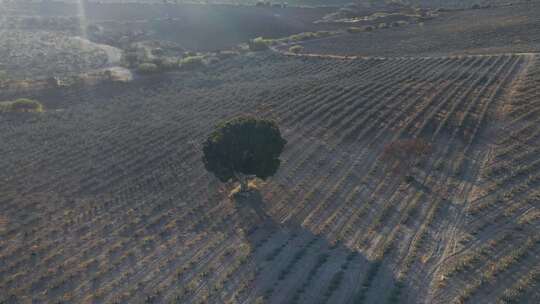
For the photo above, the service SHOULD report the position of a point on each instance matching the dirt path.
(280, 49)
(450, 248)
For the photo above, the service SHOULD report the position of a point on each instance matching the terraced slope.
(104, 197)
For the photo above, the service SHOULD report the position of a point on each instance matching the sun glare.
(82, 17)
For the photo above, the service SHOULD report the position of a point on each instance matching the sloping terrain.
(104, 197)
(502, 244)
(463, 4)
(367, 3)
(194, 27)
(42, 54)
(495, 30)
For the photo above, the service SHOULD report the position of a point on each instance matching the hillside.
(411, 172)
(105, 197)
(453, 4)
(482, 31)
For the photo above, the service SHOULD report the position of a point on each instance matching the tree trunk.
(243, 180)
(243, 184)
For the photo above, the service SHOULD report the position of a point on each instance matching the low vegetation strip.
(21, 105)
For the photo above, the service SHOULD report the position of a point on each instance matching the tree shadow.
(294, 265)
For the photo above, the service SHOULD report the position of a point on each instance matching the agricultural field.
(40, 41)
(411, 172)
(504, 208)
(112, 203)
(509, 29)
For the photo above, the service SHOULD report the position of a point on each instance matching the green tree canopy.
(243, 146)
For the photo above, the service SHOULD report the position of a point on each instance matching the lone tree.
(243, 148)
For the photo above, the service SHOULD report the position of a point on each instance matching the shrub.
(399, 23)
(210, 60)
(226, 54)
(258, 44)
(158, 52)
(308, 36)
(192, 62)
(296, 49)
(302, 36)
(147, 68)
(261, 44)
(354, 30)
(130, 58)
(406, 152)
(21, 105)
(168, 64)
(26, 105)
